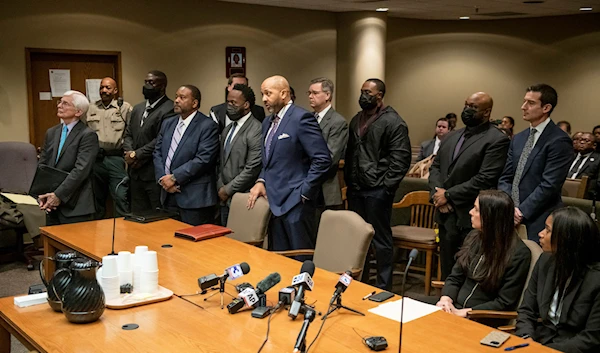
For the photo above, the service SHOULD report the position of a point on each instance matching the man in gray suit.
(429, 147)
(240, 159)
(72, 147)
(335, 132)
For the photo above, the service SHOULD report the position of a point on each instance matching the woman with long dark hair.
(493, 263)
(564, 289)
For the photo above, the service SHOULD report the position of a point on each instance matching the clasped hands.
(447, 306)
(48, 202)
(168, 184)
(440, 201)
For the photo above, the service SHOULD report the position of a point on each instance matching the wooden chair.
(575, 187)
(420, 233)
(248, 226)
(342, 243)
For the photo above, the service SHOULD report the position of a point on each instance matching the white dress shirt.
(322, 114)
(540, 129)
(186, 122)
(436, 147)
(240, 123)
(580, 159)
(151, 106)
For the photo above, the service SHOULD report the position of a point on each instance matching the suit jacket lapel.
(471, 140)
(538, 145)
(573, 288)
(74, 132)
(280, 128)
(452, 142)
(188, 131)
(326, 119)
(547, 292)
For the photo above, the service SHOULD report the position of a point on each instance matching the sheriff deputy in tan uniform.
(108, 117)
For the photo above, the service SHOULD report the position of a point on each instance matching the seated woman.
(493, 263)
(564, 289)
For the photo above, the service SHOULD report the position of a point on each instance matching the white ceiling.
(441, 9)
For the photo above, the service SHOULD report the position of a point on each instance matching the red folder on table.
(202, 232)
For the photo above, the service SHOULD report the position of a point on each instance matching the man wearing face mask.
(377, 159)
(469, 160)
(140, 139)
(240, 161)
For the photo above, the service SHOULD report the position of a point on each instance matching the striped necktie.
(274, 125)
(174, 143)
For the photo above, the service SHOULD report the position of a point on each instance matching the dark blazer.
(77, 157)
(426, 149)
(578, 330)
(544, 175)
(298, 162)
(194, 162)
(220, 112)
(334, 129)
(142, 139)
(239, 168)
(589, 168)
(477, 167)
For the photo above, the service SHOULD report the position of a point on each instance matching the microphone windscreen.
(413, 253)
(120, 101)
(245, 267)
(308, 267)
(268, 282)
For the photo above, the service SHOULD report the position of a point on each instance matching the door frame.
(32, 51)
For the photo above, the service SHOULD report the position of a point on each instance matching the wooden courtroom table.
(178, 326)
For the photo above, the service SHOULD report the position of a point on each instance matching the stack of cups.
(110, 278)
(149, 275)
(137, 266)
(125, 268)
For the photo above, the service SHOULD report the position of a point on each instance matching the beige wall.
(186, 40)
(432, 66)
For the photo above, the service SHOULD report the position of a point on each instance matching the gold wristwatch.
(132, 155)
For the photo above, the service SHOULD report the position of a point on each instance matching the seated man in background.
(576, 138)
(565, 126)
(587, 161)
(72, 147)
(508, 123)
(431, 147)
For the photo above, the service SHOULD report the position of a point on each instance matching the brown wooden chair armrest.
(299, 252)
(255, 242)
(508, 328)
(491, 314)
(437, 284)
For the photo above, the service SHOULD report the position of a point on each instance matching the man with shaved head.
(108, 117)
(469, 160)
(295, 161)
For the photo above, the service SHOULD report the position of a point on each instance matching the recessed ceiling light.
(533, 2)
(464, 17)
(586, 8)
(382, 9)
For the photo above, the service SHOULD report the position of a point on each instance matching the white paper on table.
(92, 89)
(413, 309)
(60, 82)
(45, 96)
(20, 199)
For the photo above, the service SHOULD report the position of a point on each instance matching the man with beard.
(469, 160)
(377, 159)
(140, 139)
(185, 159)
(109, 119)
(240, 148)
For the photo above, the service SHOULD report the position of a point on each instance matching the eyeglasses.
(314, 93)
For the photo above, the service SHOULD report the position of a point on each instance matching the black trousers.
(55, 218)
(294, 230)
(375, 207)
(192, 216)
(451, 239)
(145, 195)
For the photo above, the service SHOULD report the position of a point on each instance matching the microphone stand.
(221, 291)
(115, 214)
(594, 197)
(410, 259)
(309, 316)
(338, 305)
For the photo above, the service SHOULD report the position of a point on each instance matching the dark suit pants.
(451, 239)
(107, 174)
(192, 216)
(294, 230)
(55, 218)
(375, 207)
(145, 195)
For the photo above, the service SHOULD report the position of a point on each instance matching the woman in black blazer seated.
(564, 289)
(493, 263)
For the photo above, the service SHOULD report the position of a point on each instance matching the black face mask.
(469, 117)
(367, 101)
(233, 113)
(150, 92)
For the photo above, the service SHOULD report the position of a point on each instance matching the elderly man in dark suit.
(538, 162)
(140, 139)
(241, 141)
(335, 132)
(185, 159)
(469, 160)
(72, 147)
(295, 163)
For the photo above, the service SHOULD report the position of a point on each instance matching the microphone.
(120, 102)
(309, 316)
(413, 254)
(253, 298)
(304, 282)
(233, 272)
(124, 180)
(340, 287)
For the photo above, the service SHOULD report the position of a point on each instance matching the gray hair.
(80, 101)
(326, 84)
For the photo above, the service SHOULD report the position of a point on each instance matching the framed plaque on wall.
(235, 60)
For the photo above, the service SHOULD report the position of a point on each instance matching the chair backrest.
(343, 241)
(421, 210)
(575, 187)
(248, 226)
(536, 251)
(19, 163)
(522, 231)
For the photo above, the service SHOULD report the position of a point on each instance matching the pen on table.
(368, 295)
(517, 346)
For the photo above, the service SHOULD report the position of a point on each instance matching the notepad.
(413, 309)
(20, 199)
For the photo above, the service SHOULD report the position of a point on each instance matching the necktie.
(174, 143)
(317, 117)
(521, 166)
(146, 112)
(229, 138)
(461, 140)
(275, 124)
(575, 168)
(63, 138)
